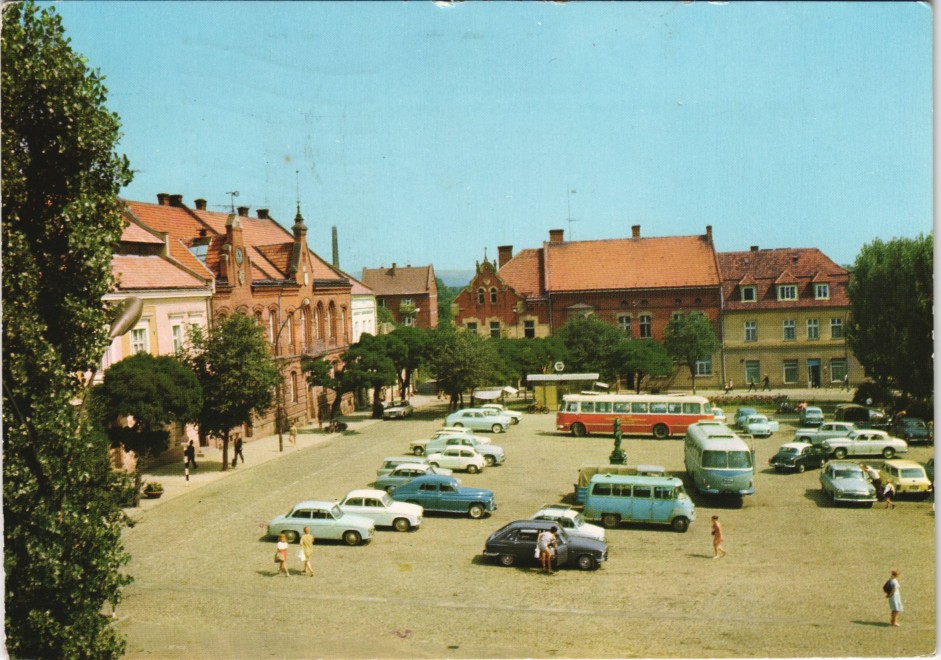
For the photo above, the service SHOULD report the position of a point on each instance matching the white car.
(571, 520)
(760, 426)
(719, 415)
(500, 409)
(417, 447)
(866, 442)
(459, 457)
(379, 507)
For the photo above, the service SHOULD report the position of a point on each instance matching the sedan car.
(719, 415)
(458, 458)
(906, 477)
(845, 481)
(326, 521)
(811, 416)
(912, 430)
(798, 456)
(438, 493)
(743, 414)
(500, 409)
(493, 454)
(382, 509)
(418, 447)
(478, 420)
(516, 543)
(571, 520)
(404, 473)
(760, 426)
(397, 410)
(866, 442)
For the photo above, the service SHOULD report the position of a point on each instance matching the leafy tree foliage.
(890, 329)
(238, 375)
(689, 339)
(367, 365)
(408, 347)
(461, 361)
(521, 357)
(61, 177)
(641, 358)
(446, 296)
(592, 346)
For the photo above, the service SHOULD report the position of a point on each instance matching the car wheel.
(801, 467)
(661, 432)
(473, 469)
(507, 560)
(291, 536)
(476, 511)
(390, 489)
(490, 461)
(434, 465)
(587, 563)
(513, 420)
(351, 538)
(680, 524)
(888, 452)
(458, 425)
(578, 430)
(497, 428)
(401, 525)
(839, 453)
(610, 520)
(804, 439)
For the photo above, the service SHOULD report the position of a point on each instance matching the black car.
(798, 456)
(516, 542)
(912, 430)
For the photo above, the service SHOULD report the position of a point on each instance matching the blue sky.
(429, 133)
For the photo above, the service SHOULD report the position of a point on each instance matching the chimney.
(504, 254)
(709, 233)
(336, 249)
(556, 235)
(176, 200)
(200, 204)
(754, 248)
(163, 199)
(262, 214)
(393, 269)
(243, 211)
(635, 231)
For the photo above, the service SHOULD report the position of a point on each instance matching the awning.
(488, 395)
(511, 390)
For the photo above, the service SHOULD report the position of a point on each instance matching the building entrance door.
(813, 372)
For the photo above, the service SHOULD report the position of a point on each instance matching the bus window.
(658, 407)
(622, 407)
(714, 459)
(663, 493)
(638, 407)
(588, 406)
(739, 459)
(642, 491)
(691, 408)
(603, 490)
(621, 490)
(675, 408)
(573, 406)
(603, 406)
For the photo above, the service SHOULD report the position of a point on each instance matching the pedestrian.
(728, 386)
(307, 549)
(190, 454)
(293, 433)
(546, 543)
(718, 538)
(875, 477)
(891, 589)
(752, 385)
(281, 556)
(766, 383)
(846, 382)
(888, 492)
(237, 450)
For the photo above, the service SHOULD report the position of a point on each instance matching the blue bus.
(718, 461)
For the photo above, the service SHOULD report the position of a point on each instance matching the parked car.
(811, 416)
(912, 430)
(825, 431)
(866, 442)
(861, 416)
(515, 543)
(798, 456)
(760, 426)
(418, 447)
(389, 463)
(719, 415)
(845, 481)
(438, 493)
(929, 470)
(478, 420)
(571, 520)
(743, 414)
(326, 521)
(397, 410)
(907, 477)
(382, 509)
(404, 473)
(500, 409)
(493, 454)
(461, 458)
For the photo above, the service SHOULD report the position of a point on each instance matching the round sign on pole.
(559, 366)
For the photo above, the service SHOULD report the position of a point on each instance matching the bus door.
(642, 503)
(664, 499)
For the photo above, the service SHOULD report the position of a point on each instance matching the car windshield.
(757, 419)
(335, 512)
(386, 500)
(848, 473)
(789, 450)
(913, 473)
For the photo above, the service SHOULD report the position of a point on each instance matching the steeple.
(299, 228)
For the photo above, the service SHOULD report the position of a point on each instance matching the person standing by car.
(546, 543)
(895, 598)
(281, 555)
(718, 538)
(874, 477)
(307, 549)
(887, 494)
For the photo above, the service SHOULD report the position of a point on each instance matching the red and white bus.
(661, 415)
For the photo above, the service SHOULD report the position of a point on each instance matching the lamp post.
(280, 414)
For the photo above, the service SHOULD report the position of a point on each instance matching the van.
(389, 463)
(617, 498)
(586, 472)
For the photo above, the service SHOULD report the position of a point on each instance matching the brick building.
(410, 293)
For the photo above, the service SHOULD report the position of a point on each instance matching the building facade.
(410, 293)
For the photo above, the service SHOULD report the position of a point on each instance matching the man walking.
(190, 454)
(237, 450)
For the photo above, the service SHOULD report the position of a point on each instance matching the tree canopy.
(461, 361)
(62, 522)
(591, 346)
(690, 339)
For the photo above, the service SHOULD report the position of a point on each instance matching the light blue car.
(326, 521)
(478, 419)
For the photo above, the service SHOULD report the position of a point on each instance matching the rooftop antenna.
(232, 195)
(297, 184)
(570, 219)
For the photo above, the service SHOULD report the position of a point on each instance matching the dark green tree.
(639, 359)
(890, 326)
(461, 361)
(238, 374)
(446, 296)
(367, 365)
(689, 339)
(407, 346)
(522, 357)
(591, 346)
(61, 218)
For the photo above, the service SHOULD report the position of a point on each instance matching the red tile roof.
(524, 273)
(151, 272)
(175, 221)
(134, 233)
(399, 280)
(766, 268)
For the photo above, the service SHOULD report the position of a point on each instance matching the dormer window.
(787, 292)
(822, 291)
(748, 294)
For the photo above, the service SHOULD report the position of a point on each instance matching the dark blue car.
(441, 493)
(516, 543)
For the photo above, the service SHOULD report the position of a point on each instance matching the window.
(787, 292)
(646, 326)
(493, 295)
(407, 301)
(294, 394)
(813, 329)
(603, 406)
(471, 328)
(704, 367)
(139, 340)
(838, 370)
(643, 491)
(588, 406)
(836, 328)
(674, 408)
(676, 316)
(408, 320)
(529, 329)
(790, 330)
(752, 371)
(638, 407)
(495, 329)
(272, 324)
(822, 291)
(660, 408)
(381, 302)
(748, 294)
(289, 326)
(329, 325)
(480, 296)
(692, 408)
(751, 330)
(790, 371)
(177, 331)
(624, 322)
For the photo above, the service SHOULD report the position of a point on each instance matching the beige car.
(906, 477)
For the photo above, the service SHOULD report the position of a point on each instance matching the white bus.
(718, 461)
